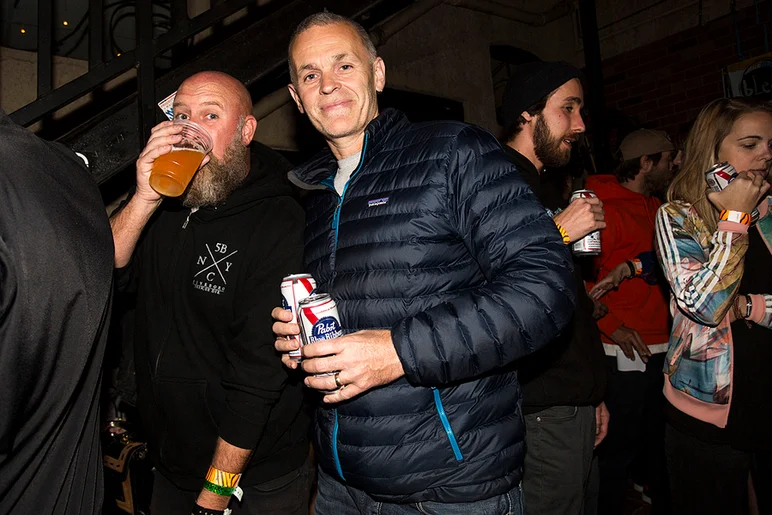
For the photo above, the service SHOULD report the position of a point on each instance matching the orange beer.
(172, 172)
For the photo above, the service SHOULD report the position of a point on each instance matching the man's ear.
(379, 73)
(645, 164)
(295, 97)
(526, 116)
(248, 129)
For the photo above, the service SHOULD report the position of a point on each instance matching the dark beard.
(656, 185)
(547, 147)
(215, 181)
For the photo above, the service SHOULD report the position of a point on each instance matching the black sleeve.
(256, 376)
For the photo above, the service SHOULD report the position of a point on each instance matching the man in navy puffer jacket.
(445, 269)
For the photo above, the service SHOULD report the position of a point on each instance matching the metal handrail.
(100, 72)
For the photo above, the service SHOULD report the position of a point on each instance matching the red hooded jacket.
(629, 232)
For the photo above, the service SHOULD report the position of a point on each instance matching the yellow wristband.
(563, 233)
(221, 478)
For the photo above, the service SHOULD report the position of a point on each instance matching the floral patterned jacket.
(704, 270)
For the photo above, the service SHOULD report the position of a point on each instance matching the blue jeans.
(335, 498)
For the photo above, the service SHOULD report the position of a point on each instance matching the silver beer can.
(295, 288)
(719, 176)
(319, 320)
(590, 244)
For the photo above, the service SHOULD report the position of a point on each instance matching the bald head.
(228, 85)
(221, 105)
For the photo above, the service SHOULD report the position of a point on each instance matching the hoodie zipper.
(335, 226)
(180, 245)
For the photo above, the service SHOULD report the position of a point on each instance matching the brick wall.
(664, 84)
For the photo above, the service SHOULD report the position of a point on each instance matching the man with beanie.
(636, 329)
(564, 383)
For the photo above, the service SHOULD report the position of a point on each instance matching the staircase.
(114, 130)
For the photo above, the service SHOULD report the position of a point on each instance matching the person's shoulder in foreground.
(56, 261)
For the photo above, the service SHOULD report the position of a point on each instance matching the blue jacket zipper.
(336, 215)
(335, 224)
(335, 428)
(446, 424)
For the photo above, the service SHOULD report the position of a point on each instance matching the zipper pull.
(192, 210)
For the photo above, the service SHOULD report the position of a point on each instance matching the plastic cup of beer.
(172, 172)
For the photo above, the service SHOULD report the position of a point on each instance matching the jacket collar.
(314, 174)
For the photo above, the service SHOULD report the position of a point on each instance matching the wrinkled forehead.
(325, 42)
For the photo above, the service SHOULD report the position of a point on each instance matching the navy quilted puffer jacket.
(437, 238)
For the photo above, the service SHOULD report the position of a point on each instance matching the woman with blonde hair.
(718, 380)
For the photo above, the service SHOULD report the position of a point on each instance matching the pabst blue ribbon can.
(719, 176)
(590, 244)
(319, 320)
(295, 288)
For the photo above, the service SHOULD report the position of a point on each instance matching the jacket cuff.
(608, 324)
(405, 353)
(732, 227)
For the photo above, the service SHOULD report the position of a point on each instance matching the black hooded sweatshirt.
(56, 260)
(206, 283)
(571, 370)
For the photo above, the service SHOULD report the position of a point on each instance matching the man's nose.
(328, 84)
(578, 124)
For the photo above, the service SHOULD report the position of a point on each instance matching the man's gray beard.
(547, 147)
(214, 182)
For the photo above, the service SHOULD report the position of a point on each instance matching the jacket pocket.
(446, 424)
(189, 433)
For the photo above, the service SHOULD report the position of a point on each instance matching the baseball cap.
(532, 82)
(645, 142)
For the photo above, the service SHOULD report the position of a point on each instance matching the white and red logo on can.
(319, 320)
(719, 176)
(590, 244)
(295, 288)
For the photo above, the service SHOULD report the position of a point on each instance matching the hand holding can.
(590, 244)
(295, 288)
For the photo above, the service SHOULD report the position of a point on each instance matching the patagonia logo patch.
(378, 202)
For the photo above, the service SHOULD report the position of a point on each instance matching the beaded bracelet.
(727, 215)
(563, 233)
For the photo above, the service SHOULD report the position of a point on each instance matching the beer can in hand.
(319, 320)
(719, 176)
(295, 288)
(590, 244)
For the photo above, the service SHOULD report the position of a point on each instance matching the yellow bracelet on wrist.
(223, 479)
(563, 233)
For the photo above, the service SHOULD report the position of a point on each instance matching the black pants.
(559, 446)
(635, 435)
(285, 495)
(712, 479)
